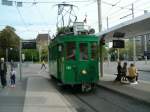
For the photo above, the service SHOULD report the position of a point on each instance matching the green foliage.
(8, 39)
(124, 53)
(64, 30)
(31, 54)
(13, 54)
(104, 52)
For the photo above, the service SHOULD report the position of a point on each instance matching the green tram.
(73, 60)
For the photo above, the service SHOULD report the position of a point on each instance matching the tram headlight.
(84, 72)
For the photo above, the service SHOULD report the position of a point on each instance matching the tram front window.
(83, 51)
(94, 51)
(70, 51)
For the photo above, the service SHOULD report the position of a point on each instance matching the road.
(102, 100)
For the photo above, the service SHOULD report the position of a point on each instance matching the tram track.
(95, 108)
(86, 103)
(75, 99)
(83, 105)
(101, 100)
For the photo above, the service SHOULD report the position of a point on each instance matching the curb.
(125, 95)
(144, 70)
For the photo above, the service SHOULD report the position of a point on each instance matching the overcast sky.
(31, 19)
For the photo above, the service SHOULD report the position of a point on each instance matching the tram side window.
(83, 51)
(94, 51)
(70, 51)
(60, 49)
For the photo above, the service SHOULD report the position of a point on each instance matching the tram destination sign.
(118, 44)
(29, 44)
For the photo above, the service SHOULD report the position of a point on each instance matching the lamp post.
(48, 48)
(6, 55)
(20, 63)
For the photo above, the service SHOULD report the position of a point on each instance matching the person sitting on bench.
(124, 71)
(119, 70)
(133, 74)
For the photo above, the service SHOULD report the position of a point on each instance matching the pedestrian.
(12, 77)
(124, 71)
(119, 70)
(3, 72)
(43, 64)
(133, 73)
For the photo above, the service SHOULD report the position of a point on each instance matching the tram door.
(83, 62)
(70, 64)
(60, 60)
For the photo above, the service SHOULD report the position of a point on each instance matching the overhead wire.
(112, 6)
(40, 14)
(21, 17)
(122, 8)
(117, 12)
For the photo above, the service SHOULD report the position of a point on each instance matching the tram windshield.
(93, 50)
(70, 51)
(83, 51)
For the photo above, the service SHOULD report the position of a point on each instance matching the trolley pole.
(100, 27)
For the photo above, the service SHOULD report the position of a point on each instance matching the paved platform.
(41, 96)
(140, 91)
(141, 65)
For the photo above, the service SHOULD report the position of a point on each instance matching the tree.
(64, 30)
(124, 53)
(8, 39)
(30, 54)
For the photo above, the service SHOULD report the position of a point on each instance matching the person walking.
(3, 72)
(43, 64)
(12, 77)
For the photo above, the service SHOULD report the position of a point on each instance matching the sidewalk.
(140, 91)
(35, 93)
(42, 96)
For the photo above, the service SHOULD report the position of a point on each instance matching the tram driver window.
(83, 51)
(70, 51)
(94, 51)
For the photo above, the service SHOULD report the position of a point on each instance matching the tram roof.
(137, 26)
